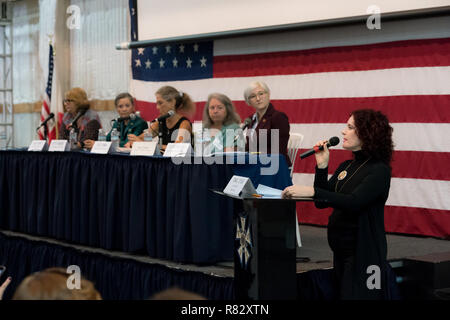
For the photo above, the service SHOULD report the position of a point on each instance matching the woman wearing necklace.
(176, 128)
(222, 121)
(357, 192)
(127, 123)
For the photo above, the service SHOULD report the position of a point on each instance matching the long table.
(146, 205)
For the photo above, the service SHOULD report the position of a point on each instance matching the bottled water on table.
(206, 141)
(115, 138)
(101, 135)
(73, 139)
(147, 136)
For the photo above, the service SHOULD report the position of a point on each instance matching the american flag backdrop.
(46, 103)
(408, 80)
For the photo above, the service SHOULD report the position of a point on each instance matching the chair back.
(295, 140)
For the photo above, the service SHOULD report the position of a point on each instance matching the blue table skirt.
(133, 204)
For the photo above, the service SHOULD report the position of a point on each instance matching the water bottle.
(115, 137)
(73, 139)
(3, 140)
(101, 135)
(147, 136)
(198, 139)
(206, 141)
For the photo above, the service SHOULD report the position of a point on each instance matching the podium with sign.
(264, 243)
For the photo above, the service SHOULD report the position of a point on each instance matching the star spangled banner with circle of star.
(173, 62)
(169, 62)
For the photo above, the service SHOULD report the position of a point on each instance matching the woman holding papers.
(266, 119)
(220, 117)
(78, 115)
(176, 127)
(357, 192)
(128, 124)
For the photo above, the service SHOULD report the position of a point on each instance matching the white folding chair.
(295, 140)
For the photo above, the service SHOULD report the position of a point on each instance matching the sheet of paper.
(268, 192)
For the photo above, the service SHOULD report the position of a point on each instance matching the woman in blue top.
(128, 124)
(220, 117)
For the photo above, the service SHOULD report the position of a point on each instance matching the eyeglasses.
(68, 100)
(258, 94)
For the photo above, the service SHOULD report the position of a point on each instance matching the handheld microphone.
(50, 116)
(165, 116)
(79, 115)
(331, 142)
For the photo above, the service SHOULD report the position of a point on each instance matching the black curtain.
(115, 278)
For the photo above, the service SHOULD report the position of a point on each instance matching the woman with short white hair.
(266, 117)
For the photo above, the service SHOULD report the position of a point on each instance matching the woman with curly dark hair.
(357, 192)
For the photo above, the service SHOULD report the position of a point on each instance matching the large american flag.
(317, 88)
(46, 103)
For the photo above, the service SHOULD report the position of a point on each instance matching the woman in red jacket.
(266, 118)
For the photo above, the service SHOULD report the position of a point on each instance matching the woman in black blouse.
(176, 128)
(357, 192)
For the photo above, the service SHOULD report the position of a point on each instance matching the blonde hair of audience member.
(51, 284)
(176, 293)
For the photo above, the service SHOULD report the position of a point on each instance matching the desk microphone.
(79, 115)
(247, 123)
(165, 116)
(50, 116)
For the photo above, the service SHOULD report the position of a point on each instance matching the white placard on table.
(38, 145)
(59, 145)
(178, 150)
(240, 187)
(145, 148)
(101, 147)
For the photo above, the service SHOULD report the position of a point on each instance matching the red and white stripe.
(318, 88)
(45, 111)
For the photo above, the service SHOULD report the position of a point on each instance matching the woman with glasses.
(266, 117)
(220, 117)
(87, 122)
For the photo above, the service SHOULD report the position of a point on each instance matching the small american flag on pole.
(45, 111)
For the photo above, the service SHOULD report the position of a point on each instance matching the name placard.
(101, 147)
(178, 150)
(38, 145)
(145, 148)
(240, 187)
(59, 145)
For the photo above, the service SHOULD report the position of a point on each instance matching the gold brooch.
(342, 175)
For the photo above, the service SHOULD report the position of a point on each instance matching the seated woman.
(128, 123)
(176, 128)
(220, 117)
(87, 126)
(257, 95)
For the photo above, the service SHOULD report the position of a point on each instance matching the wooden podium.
(265, 248)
